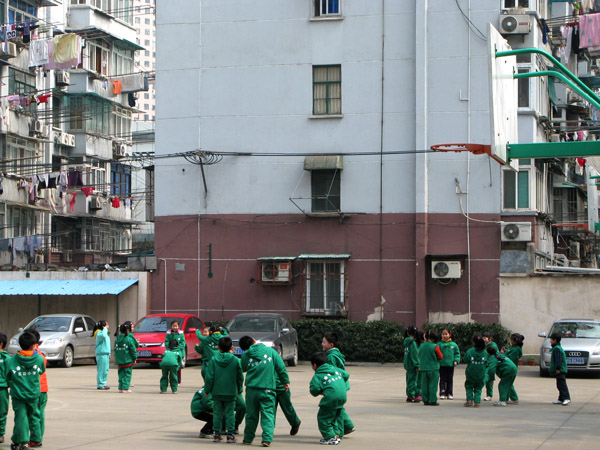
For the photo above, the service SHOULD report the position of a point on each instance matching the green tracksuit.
(102, 356)
(411, 365)
(225, 381)
(170, 364)
(125, 356)
(491, 370)
(514, 354)
(23, 376)
(337, 359)
(202, 409)
(330, 381)
(284, 400)
(208, 347)
(4, 357)
(475, 373)
(429, 367)
(179, 338)
(507, 372)
(263, 366)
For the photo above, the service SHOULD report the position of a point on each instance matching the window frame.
(517, 189)
(319, 6)
(327, 197)
(328, 87)
(327, 302)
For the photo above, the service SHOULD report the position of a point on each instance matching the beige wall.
(18, 311)
(529, 305)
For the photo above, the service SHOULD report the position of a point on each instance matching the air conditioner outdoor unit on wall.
(516, 232)
(63, 78)
(58, 137)
(514, 24)
(446, 269)
(276, 272)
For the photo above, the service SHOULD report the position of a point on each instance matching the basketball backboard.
(503, 97)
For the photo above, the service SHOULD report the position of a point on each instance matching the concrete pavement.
(79, 416)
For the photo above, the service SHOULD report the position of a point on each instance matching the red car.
(150, 333)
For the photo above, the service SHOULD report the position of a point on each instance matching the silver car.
(580, 339)
(272, 330)
(63, 337)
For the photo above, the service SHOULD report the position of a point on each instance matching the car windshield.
(589, 330)
(156, 324)
(50, 323)
(253, 324)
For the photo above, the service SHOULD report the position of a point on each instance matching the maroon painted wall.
(385, 261)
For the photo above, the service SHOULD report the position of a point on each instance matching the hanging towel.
(43, 98)
(38, 52)
(115, 202)
(18, 245)
(589, 30)
(53, 65)
(87, 191)
(64, 48)
(72, 202)
(4, 245)
(117, 86)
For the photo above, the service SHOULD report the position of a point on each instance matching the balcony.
(85, 19)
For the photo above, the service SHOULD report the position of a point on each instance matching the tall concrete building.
(317, 194)
(145, 26)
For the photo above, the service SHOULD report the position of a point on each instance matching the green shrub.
(358, 341)
(463, 333)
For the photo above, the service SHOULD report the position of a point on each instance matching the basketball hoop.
(476, 149)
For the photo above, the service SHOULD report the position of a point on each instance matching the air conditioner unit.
(446, 269)
(58, 137)
(69, 139)
(9, 52)
(63, 78)
(65, 139)
(276, 272)
(38, 126)
(515, 24)
(516, 232)
(67, 256)
(574, 250)
(45, 131)
(95, 204)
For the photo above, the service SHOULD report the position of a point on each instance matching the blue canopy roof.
(65, 287)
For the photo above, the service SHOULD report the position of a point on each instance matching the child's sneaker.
(557, 402)
(33, 444)
(410, 399)
(163, 392)
(1, 438)
(487, 399)
(332, 441)
(230, 439)
(418, 399)
(443, 397)
(265, 444)
(450, 397)
(236, 431)
(566, 402)
(294, 429)
(512, 402)
(217, 438)
(468, 403)
(499, 403)
(476, 405)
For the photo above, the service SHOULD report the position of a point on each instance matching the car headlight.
(267, 343)
(55, 341)
(162, 345)
(14, 341)
(596, 353)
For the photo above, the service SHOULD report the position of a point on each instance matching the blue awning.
(65, 287)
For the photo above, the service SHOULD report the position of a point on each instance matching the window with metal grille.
(325, 190)
(327, 90)
(325, 287)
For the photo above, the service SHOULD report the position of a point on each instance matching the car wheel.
(279, 351)
(544, 372)
(67, 360)
(293, 361)
(184, 361)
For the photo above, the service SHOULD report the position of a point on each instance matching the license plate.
(237, 351)
(575, 361)
(144, 352)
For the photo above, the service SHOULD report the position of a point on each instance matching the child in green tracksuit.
(488, 338)
(476, 359)
(329, 381)
(411, 363)
(284, 400)
(170, 364)
(176, 335)
(125, 356)
(451, 358)
(102, 354)
(202, 409)
(514, 353)
(558, 366)
(429, 367)
(23, 376)
(419, 341)
(262, 365)
(3, 385)
(209, 345)
(506, 371)
(225, 381)
(337, 359)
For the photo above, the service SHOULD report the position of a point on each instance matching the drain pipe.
(165, 261)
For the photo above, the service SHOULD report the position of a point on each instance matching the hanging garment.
(75, 179)
(587, 5)
(53, 65)
(87, 191)
(117, 86)
(127, 202)
(24, 101)
(43, 98)
(1, 188)
(63, 179)
(52, 182)
(131, 98)
(581, 161)
(4, 245)
(64, 48)
(115, 202)
(13, 99)
(18, 245)
(38, 52)
(26, 28)
(72, 202)
(544, 31)
(575, 40)
(589, 30)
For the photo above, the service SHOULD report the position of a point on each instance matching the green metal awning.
(276, 258)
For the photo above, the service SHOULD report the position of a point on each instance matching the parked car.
(63, 337)
(272, 330)
(580, 339)
(150, 332)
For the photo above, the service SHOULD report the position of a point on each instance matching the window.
(122, 61)
(327, 8)
(20, 11)
(325, 190)
(533, 92)
(90, 323)
(565, 205)
(516, 189)
(325, 287)
(147, 21)
(120, 180)
(78, 324)
(121, 123)
(96, 176)
(21, 154)
(327, 90)
(98, 57)
(2, 220)
(19, 222)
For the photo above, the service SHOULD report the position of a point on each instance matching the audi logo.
(575, 353)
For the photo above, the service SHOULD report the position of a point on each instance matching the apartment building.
(317, 195)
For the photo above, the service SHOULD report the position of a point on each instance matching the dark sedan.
(272, 330)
